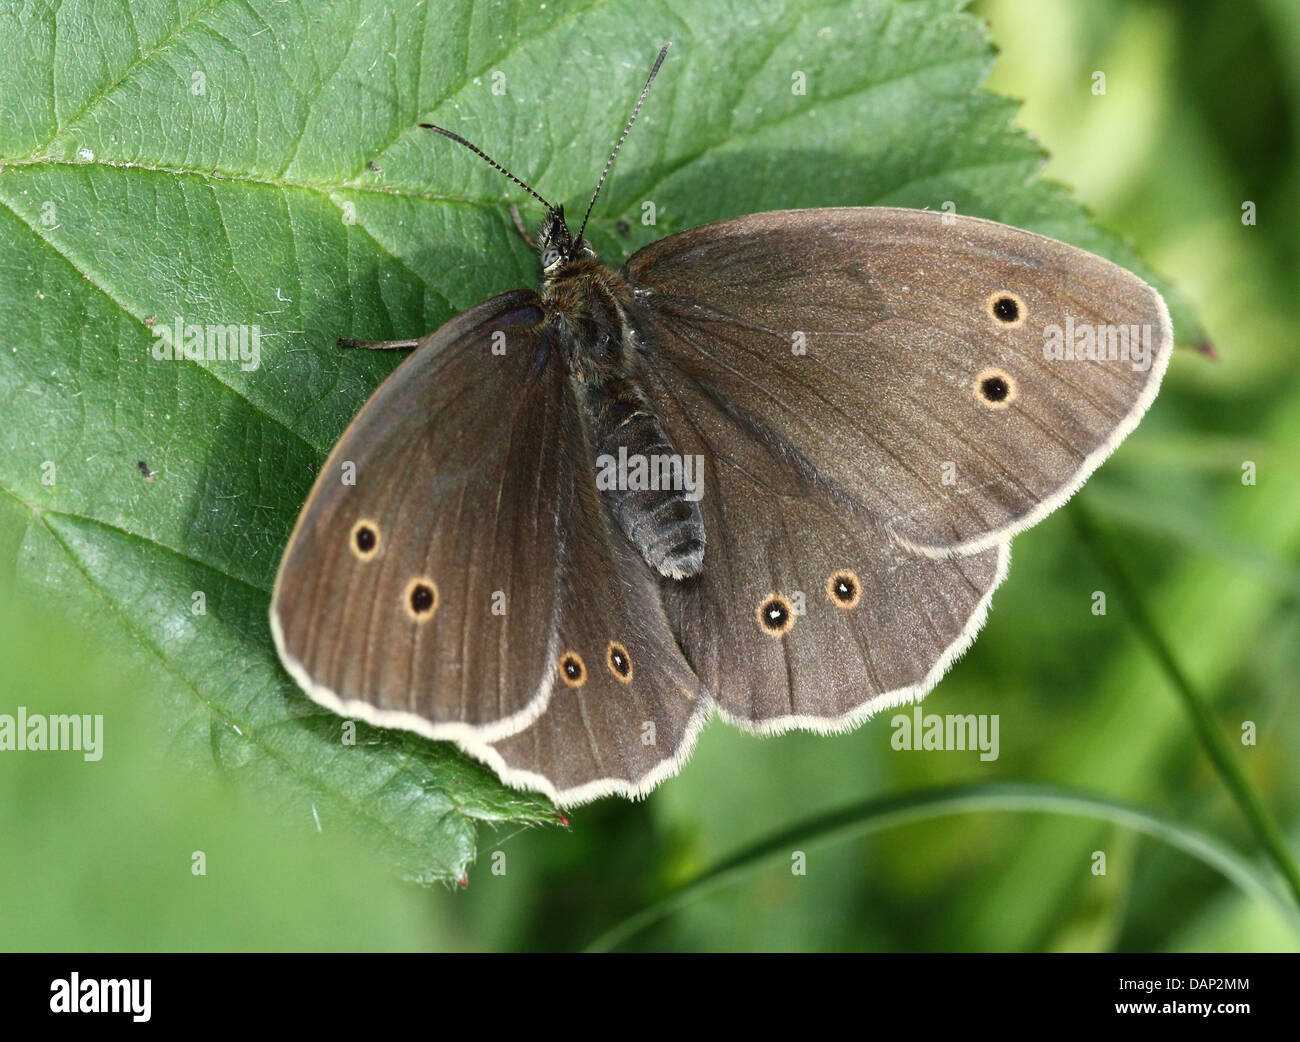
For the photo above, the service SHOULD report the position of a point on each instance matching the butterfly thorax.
(648, 487)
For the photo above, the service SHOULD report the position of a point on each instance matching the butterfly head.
(555, 243)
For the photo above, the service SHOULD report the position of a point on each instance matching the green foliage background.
(245, 196)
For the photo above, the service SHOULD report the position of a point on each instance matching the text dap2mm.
(769, 468)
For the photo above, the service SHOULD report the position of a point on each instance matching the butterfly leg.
(519, 227)
(379, 345)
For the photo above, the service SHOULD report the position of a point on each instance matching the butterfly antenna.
(489, 160)
(614, 155)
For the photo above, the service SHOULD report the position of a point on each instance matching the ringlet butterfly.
(769, 468)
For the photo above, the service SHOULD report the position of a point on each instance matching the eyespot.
(776, 615)
(572, 670)
(364, 541)
(1007, 308)
(995, 389)
(844, 589)
(421, 599)
(620, 662)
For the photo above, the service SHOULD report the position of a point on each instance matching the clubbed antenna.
(484, 156)
(614, 155)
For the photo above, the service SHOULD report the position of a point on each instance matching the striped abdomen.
(651, 490)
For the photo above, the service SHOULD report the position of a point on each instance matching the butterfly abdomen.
(650, 489)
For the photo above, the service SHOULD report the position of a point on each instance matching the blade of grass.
(1261, 822)
(1126, 730)
(887, 811)
(1130, 511)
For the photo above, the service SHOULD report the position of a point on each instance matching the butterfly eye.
(1007, 308)
(421, 599)
(620, 664)
(550, 257)
(995, 389)
(776, 615)
(365, 540)
(844, 589)
(572, 670)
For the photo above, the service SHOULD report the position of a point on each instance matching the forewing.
(862, 340)
(452, 465)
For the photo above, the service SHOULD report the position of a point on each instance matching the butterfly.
(769, 469)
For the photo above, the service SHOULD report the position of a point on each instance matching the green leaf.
(259, 164)
(113, 851)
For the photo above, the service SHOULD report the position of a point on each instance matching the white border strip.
(457, 731)
(636, 789)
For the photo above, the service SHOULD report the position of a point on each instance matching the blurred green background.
(1201, 114)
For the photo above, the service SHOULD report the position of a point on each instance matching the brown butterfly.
(769, 468)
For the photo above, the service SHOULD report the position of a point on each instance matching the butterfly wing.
(857, 623)
(903, 358)
(450, 467)
(473, 472)
(630, 718)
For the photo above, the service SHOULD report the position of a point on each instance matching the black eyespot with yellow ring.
(619, 661)
(776, 615)
(844, 589)
(1006, 309)
(995, 389)
(572, 669)
(364, 541)
(421, 599)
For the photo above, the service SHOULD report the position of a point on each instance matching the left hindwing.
(629, 718)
